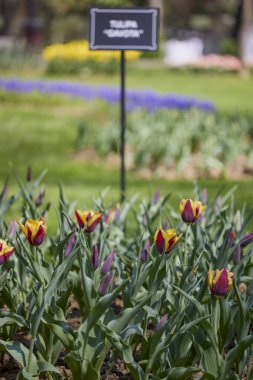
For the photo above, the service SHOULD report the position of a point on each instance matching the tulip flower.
(190, 210)
(102, 290)
(165, 240)
(246, 240)
(5, 251)
(107, 263)
(220, 281)
(113, 214)
(156, 197)
(162, 322)
(145, 251)
(34, 230)
(88, 220)
(231, 238)
(70, 244)
(95, 257)
(40, 197)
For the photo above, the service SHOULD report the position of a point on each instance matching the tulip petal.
(23, 228)
(159, 241)
(188, 213)
(79, 219)
(93, 222)
(39, 237)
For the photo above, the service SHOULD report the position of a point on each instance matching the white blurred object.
(179, 53)
(248, 46)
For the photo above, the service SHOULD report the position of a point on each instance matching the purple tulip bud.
(156, 197)
(102, 290)
(231, 238)
(70, 244)
(166, 226)
(108, 263)
(29, 174)
(145, 251)
(40, 198)
(95, 257)
(12, 229)
(112, 215)
(237, 255)
(161, 323)
(246, 240)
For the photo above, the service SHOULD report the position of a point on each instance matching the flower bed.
(170, 299)
(75, 57)
(146, 99)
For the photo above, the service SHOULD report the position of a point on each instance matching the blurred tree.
(68, 19)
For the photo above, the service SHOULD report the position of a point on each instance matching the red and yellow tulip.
(88, 219)
(191, 210)
(34, 230)
(5, 251)
(165, 240)
(220, 281)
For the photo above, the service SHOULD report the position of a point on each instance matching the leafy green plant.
(182, 281)
(201, 142)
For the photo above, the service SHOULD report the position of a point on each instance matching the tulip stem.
(30, 355)
(216, 318)
(185, 248)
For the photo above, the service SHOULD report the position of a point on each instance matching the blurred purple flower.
(204, 196)
(156, 197)
(40, 197)
(12, 230)
(102, 290)
(146, 99)
(161, 323)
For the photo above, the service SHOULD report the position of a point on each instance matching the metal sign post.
(123, 29)
(123, 127)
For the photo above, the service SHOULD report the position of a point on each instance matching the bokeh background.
(190, 114)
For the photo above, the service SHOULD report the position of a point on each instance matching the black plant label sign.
(124, 29)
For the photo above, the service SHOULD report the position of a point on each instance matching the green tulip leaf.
(20, 353)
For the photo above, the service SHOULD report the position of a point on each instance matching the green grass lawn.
(41, 131)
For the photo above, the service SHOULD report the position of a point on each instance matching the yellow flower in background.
(79, 51)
